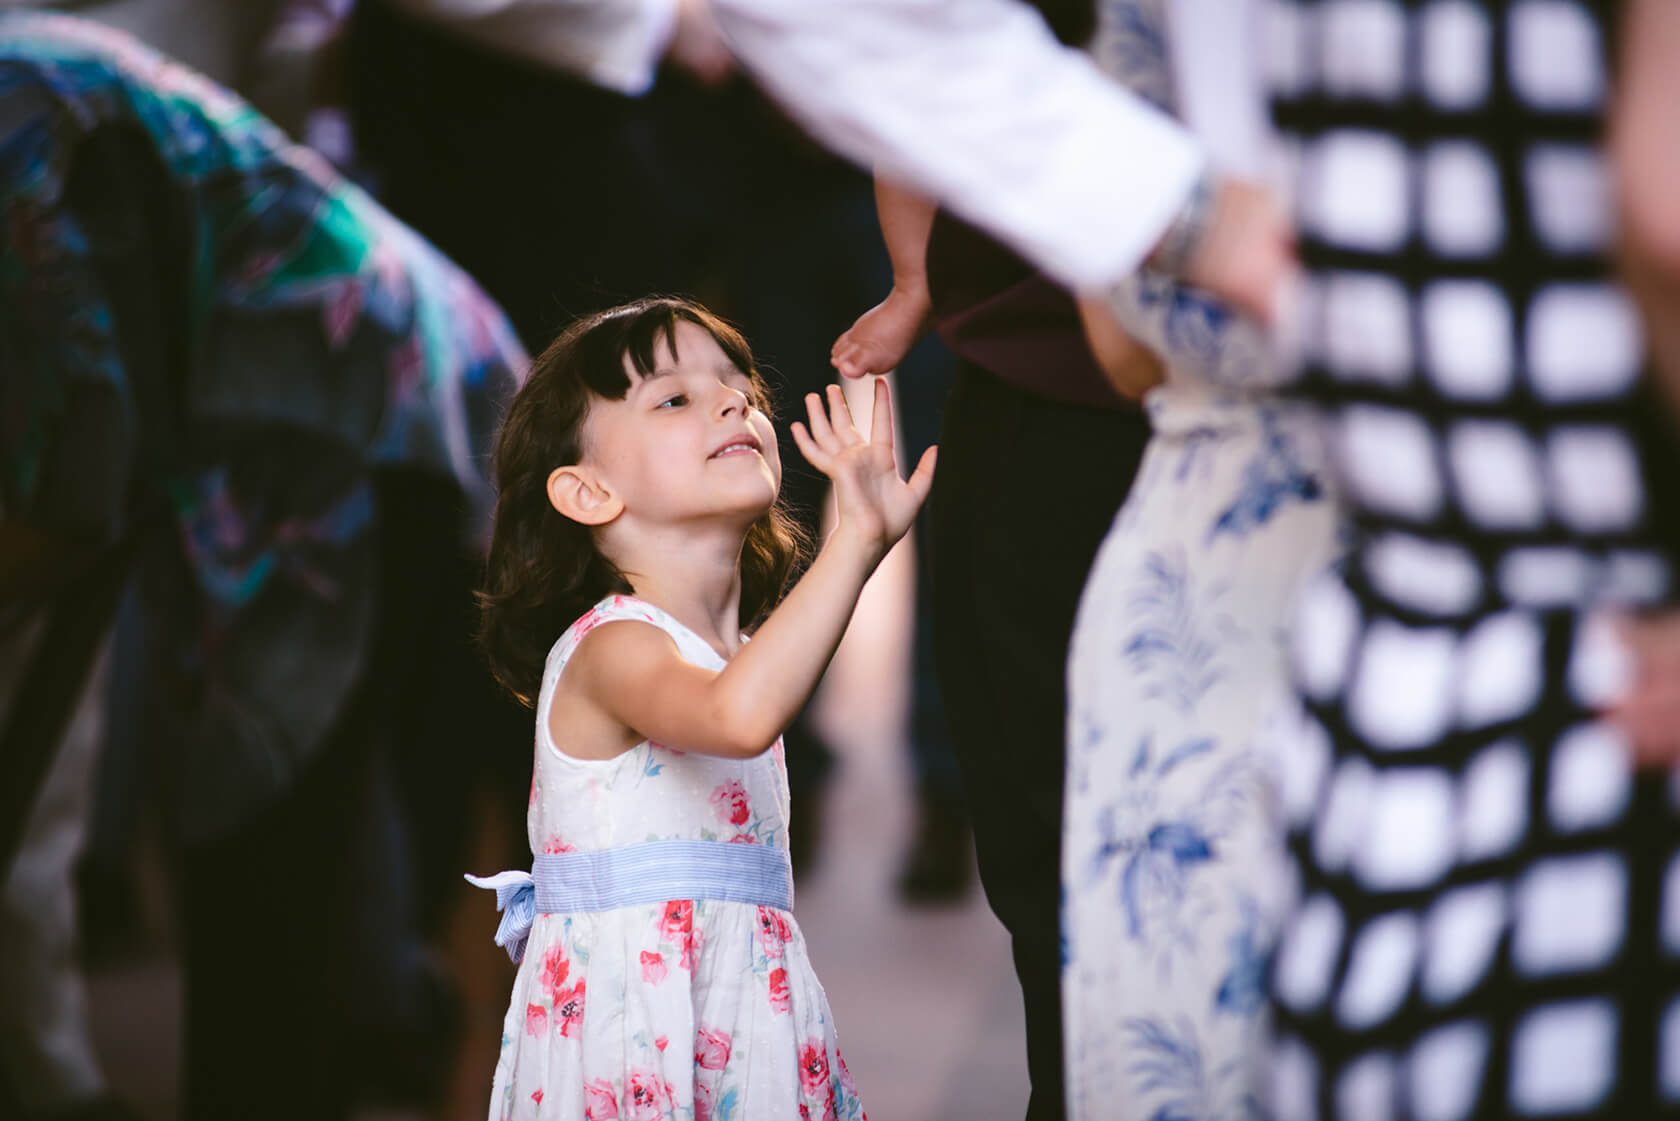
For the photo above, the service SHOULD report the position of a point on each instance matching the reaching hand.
(873, 501)
(1247, 254)
(882, 336)
(1649, 713)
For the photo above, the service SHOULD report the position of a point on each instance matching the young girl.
(663, 974)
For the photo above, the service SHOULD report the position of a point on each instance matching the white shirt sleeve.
(612, 43)
(975, 103)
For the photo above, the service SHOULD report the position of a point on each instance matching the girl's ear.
(583, 496)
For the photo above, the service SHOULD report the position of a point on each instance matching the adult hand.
(1648, 713)
(1242, 252)
(697, 45)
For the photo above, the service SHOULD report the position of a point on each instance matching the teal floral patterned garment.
(291, 339)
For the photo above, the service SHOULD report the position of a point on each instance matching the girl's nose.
(732, 401)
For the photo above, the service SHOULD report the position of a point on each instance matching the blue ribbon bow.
(516, 899)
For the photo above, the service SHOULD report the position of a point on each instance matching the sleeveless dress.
(1489, 913)
(689, 1009)
(1177, 653)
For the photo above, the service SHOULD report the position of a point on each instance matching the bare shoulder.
(609, 659)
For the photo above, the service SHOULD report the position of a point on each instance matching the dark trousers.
(307, 983)
(1026, 490)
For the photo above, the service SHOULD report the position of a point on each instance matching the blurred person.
(1174, 655)
(1482, 924)
(1170, 851)
(230, 367)
(638, 519)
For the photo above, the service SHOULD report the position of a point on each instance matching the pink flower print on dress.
(554, 844)
(600, 1100)
(537, 1096)
(662, 1042)
(647, 1097)
(743, 839)
(773, 932)
(779, 1001)
(730, 801)
(711, 1049)
(677, 926)
(689, 945)
(702, 1101)
(554, 970)
(813, 1066)
(678, 919)
(536, 1021)
(845, 1074)
(653, 967)
(568, 1008)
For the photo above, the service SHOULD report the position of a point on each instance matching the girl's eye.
(678, 399)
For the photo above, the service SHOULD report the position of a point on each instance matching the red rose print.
(568, 1008)
(804, 1113)
(679, 918)
(702, 1102)
(600, 1101)
(743, 839)
(554, 970)
(536, 1096)
(773, 932)
(813, 1066)
(536, 1021)
(730, 801)
(653, 967)
(647, 1098)
(778, 990)
(661, 1042)
(711, 1049)
(554, 844)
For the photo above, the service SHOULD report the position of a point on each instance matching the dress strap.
(651, 872)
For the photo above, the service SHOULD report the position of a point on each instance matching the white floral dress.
(1169, 846)
(689, 1009)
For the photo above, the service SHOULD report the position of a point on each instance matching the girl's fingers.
(845, 429)
(814, 455)
(921, 479)
(821, 433)
(881, 420)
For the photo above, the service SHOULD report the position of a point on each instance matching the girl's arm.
(884, 334)
(634, 673)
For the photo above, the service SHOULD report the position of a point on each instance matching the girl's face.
(687, 442)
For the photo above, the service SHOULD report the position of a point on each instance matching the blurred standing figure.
(226, 362)
(1169, 856)
(1487, 889)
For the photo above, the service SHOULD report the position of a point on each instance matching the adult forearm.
(976, 104)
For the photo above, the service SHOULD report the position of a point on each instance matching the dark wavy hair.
(544, 569)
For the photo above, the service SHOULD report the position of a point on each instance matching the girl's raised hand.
(873, 502)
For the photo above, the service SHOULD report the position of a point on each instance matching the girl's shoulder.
(615, 608)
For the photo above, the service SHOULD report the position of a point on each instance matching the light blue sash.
(651, 872)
